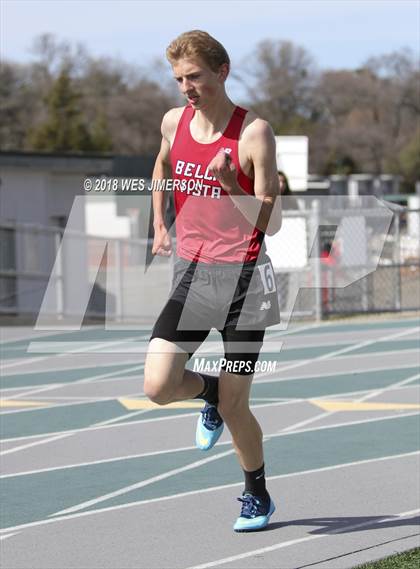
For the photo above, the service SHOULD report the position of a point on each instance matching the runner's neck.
(207, 123)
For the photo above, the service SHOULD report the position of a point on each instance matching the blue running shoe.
(255, 513)
(209, 427)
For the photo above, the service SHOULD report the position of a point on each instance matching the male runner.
(223, 277)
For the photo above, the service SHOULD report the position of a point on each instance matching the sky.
(337, 33)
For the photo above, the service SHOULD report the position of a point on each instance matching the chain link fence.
(65, 273)
(395, 283)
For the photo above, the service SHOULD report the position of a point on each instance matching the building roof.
(88, 164)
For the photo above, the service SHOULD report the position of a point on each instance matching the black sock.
(255, 482)
(210, 392)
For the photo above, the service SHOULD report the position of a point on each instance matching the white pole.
(118, 282)
(316, 259)
(59, 280)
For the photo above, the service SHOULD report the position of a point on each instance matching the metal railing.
(313, 277)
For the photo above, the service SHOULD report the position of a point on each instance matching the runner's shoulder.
(170, 122)
(256, 129)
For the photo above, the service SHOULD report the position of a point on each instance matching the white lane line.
(204, 490)
(55, 437)
(363, 391)
(163, 476)
(116, 376)
(252, 399)
(167, 474)
(287, 332)
(77, 365)
(272, 333)
(275, 345)
(102, 461)
(36, 443)
(285, 544)
(313, 341)
(3, 537)
(21, 388)
(120, 375)
(95, 428)
(26, 393)
(224, 443)
(369, 395)
(111, 377)
(110, 374)
(86, 401)
(124, 417)
(28, 334)
(166, 418)
(279, 377)
(117, 419)
(33, 335)
(301, 363)
(349, 349)
(52, 333)
(83, 350)
(77, 398)
(344, 325)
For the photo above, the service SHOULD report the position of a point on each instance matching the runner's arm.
(162, 243)
(162, 170)
(264, 209)
(266, 181)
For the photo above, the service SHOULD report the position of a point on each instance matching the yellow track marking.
(21, 403)
(132, 404)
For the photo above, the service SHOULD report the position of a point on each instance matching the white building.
(37, 192)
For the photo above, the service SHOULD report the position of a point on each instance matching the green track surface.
(19, 349)
(34, 496)
(81, 415)
(394, 345)
(361, 326)
(63, 376)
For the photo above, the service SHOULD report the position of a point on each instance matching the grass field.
(408, 560)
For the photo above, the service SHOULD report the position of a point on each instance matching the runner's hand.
(162, 242)
(223, 169)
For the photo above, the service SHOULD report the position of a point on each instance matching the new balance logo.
(265, 305)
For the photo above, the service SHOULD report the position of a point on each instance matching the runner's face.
(197, 82)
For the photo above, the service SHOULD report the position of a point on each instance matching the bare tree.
(282, 77)
(366, 119)
(371, 112)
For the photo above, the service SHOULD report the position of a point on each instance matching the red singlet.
(209, 227)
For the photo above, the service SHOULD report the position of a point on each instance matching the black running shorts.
(238, 300)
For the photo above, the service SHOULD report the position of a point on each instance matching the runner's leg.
(245, 430)
(165, 376)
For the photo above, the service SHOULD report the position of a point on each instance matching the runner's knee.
(233, 396)
(157, 393)
(163, 372)
(159, 386)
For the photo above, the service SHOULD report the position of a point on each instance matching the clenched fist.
(223, 169)
(162, 242)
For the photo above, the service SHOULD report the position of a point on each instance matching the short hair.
(197, 43)
(287, 190)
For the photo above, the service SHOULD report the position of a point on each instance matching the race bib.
(267, 277)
